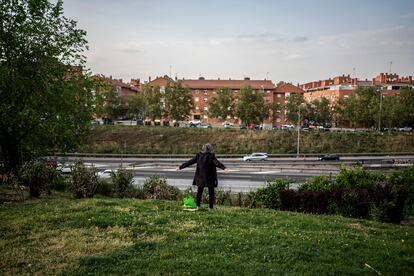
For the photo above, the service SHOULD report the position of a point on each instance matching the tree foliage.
(137, 106)
(251, 107)
(222, 105)
(153, 98)
(292, 107)
(45, 99)
(107, 99)
(178, 101)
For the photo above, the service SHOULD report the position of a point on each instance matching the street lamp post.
(380, 111)
(298, 143)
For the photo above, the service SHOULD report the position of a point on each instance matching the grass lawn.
(127, 236)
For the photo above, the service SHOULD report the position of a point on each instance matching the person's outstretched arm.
(218, 164)
(188, 163)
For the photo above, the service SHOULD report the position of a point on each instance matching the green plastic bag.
(189, 202)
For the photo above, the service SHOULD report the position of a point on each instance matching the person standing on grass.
(205, 174)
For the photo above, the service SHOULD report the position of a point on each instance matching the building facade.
(203, 90)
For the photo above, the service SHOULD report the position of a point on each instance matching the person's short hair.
(207, 148)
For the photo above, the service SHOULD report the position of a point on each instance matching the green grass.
(170, 140)
(113, 236)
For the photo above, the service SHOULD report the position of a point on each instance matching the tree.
(322, 112)
(107, 100)
(405, 108)
(292, 107)
(137, 106)
(153, 97)
(45, 98)
(251, 107)
(178, 101)
(222, 105)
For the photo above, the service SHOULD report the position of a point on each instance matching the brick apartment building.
(343, 86)
(203, 90)
(124, 90)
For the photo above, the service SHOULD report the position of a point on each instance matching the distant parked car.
(192, 125)
(256, 156)
(227, 125)
(106, 174)
(243, 126)
(287, 127)
(64, 168)
(194, 122)
(405, 129)
(329, 156)
(206, 125)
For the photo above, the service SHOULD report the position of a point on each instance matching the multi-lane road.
(243, 176)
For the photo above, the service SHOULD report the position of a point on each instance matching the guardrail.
(140, 155)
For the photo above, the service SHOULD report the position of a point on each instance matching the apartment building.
(343, 86)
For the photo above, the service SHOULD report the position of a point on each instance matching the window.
(278, 120)
(196, 99)
(197, 91)
(228, 116)
(196, 108)
(206, 108)
(236, 91)
(205, 117)
(279, 95)
(205, 100)
(205, 92)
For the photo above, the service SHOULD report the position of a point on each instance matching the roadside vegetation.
(170, 140)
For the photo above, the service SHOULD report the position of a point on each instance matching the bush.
(39, 177)
(270, 195)
(315, 202)
(389, 203)
(404, 179)
(356, 178)
(122, 182)
(353, 202)
(316, 183)
(156, 187)
(84, 180)
(105, 188)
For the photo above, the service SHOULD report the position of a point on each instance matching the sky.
(294, 41)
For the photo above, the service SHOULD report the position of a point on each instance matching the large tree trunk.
(11, 154)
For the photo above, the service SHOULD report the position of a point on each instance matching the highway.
(243, 176)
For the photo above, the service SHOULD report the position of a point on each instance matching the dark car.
(243, 126)
(140, 122)
(329, 156)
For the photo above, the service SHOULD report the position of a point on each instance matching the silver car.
(256, 156)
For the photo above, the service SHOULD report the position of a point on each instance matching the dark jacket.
(206, 172)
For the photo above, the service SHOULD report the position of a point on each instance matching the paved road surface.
(243, 176)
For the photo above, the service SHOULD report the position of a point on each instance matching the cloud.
(408, 15)
(130, 47)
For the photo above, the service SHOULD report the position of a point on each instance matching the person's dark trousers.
(210, 196)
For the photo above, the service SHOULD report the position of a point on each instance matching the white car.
(256, 156)
(195, 122)
(65, 168)
(227, 124)
(106, 174)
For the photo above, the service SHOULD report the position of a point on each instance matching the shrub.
(270, 195)
(104, 188)
(357, 177)
(38, 177)
(315, 202)
(404, 179)
(157, 188)
(316, 183)
(122, 181)
(84, 180)
(388, 203)
(353, 202)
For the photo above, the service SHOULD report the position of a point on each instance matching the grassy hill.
(113, 236)
(170, 140)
